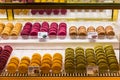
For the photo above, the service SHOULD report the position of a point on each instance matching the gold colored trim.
(115, 15)
(10, 14)
(59, 78)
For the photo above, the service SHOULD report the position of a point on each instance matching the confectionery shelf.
(26, 47)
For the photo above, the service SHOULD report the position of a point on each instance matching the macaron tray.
(64, 62)
(58, 30)
(62, 14)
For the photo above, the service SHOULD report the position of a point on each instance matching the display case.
(60, 40)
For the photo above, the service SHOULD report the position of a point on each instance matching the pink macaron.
(48, 11)
(34, 11)
(56, 11)
(63, 11)
(41, 11)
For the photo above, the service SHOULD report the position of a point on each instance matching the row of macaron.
(83, 31)
(46, 63)
(38, 1)
(49, 11)
(30, 29)
(5, 53)
(40, 11)
(53, 29)
(103, 57)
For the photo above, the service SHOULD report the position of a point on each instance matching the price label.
(92, 69)
(42, 36)
(33, 70)
(92, 35)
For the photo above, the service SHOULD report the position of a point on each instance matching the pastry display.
(101, 32)
(73, 32)
(26, 30)
(49, 11)
(23, 68)
(90, 56)
(16, 30)
(35, 29)
(82, 33)
(45, 27)
(80, 60)
(13, 65)
(24, 63)
(4, 56)
(112, 60)
(57, 63)
(53, 30)
(6, 32)
(46, 63)
(69, 63)
(109, 32)
(62, 31)
(36, 59)
(11, 68)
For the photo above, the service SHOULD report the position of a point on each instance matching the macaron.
(11, 68)
(25, 58)
(23, 68)
(56, 68)
(41, 11)
(34, 11)
(45, 68)
(56, 11)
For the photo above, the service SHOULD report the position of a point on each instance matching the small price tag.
(33, 70)
(42, 36)
(92, 69)
(92, 35)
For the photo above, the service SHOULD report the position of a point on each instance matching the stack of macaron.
(80, 60)
(57, 63)
(101, 58)
(69, 63)
(16, 30)
(24, 63)
(35, 60)
(101, 32)
(21, 11)
(73, 32)
(90, 57)
(46, 63)
(45, 27)
(13, 65)
(26, 30)
(35, 29)
(4, 56)
(2, 25)
(53, 30)
(6, 32)
(62, 31)
(109, 32)
(112, 60)
(48, 11)
(82, 33)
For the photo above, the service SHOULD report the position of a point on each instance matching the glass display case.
(73, 39)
